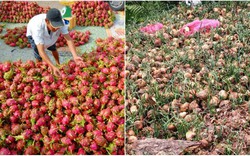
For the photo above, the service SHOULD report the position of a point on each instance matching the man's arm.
(72, 47)
(40, 48)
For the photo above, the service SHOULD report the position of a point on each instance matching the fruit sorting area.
(81, 112)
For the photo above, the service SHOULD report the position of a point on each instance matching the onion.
(138, 124)
(190, 135)
(189, 118)
(214, 101)
(166, 107)
(184, 107)
(204, 143)
(203, 94)
(223, 94)
(183, 114)
(171, 127)
(133, 109)
(132, 139)
(233, 96)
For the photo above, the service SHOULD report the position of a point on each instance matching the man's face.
(50, 27)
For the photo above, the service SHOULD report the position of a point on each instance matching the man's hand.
(46, 59)
(77, 59)
(56, 71)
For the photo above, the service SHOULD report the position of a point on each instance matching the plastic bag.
(193, 2)
(151, 29)
(197, 25)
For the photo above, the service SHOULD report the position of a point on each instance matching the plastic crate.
(67, 2)
(72, 22)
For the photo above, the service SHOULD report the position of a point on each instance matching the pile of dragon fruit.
(80, 112)
(17, 37)
(93, 13)
(19, 12)
(111, 45)
(79, 38)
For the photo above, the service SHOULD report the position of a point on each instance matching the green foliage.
(134, 12)
(139, 11)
